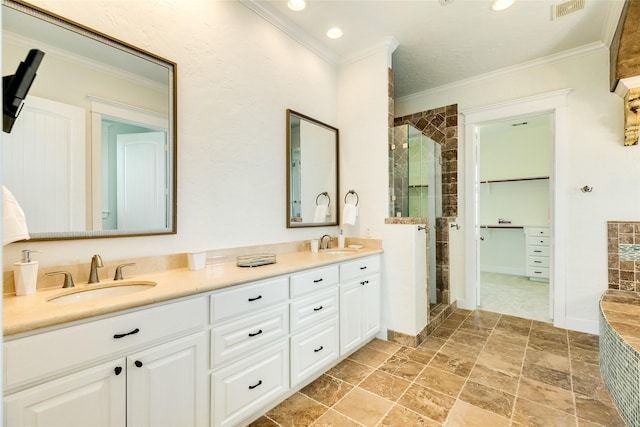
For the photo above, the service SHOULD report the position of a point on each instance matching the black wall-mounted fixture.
(15, 88)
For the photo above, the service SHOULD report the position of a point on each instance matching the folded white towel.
(14, 223)
(349, 214)
(321, 213)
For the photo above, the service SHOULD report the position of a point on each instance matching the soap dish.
(255, 260)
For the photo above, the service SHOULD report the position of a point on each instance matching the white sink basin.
(337, 251)
(99, 292)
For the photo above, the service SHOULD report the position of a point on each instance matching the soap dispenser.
(25, 274)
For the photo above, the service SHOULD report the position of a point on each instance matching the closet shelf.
(491, 181)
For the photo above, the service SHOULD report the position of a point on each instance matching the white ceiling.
(440, 44)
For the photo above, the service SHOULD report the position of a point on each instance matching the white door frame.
(556, 104)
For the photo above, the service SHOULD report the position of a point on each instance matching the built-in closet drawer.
(363, 266)
(248, 299)
(313, 349)
(538, 261)
(248, 334)
(313, 280)
(34, 357)
(306, 312)
(251, 383)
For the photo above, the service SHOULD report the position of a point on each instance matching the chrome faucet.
(328, 246)
(96, 262)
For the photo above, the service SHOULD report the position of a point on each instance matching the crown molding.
(388, 45)
(293, 31)
(567, 54)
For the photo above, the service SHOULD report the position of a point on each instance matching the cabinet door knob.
(138, 363)
(118, 370)
(364, 283)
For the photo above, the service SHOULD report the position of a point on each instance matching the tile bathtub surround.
(620, 351)
(476, 369)
(623, 252)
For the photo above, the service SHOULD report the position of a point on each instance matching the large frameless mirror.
(312, 172)
(93, 152)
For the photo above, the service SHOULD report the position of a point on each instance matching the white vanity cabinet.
(537, 242)
(359, 302)
(315, 333)
(142, 368)
(249, 349)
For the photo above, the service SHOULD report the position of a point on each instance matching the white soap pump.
(25, 274)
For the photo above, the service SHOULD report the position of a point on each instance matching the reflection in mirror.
(93, 152)
(312, 172)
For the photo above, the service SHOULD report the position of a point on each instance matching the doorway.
(555, 104)
(514, 167)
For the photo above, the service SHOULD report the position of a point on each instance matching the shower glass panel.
(415, 178)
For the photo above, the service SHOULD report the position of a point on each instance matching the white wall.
(236, 76)
(596, 155)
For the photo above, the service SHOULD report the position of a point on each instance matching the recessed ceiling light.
(297, 5)
(499, 5)
(334, 33)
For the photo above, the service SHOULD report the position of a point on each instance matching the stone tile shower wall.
(441, 125)
(623, 250)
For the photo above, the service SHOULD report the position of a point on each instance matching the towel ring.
(324, 193)
(353, 193)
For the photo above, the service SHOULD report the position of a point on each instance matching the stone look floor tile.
(370, 357)
(332, 418)
(441, 381)
(488, 398)
(327, 390)
(363, 407)
(532, 414)
(399, 416)
(467, 415)
(298, 410)
(427, 402)
(480, 373)
(350, 371)
(385, 385)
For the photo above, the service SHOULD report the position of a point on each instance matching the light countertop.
(27, 313)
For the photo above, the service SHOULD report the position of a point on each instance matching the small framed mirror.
(312, 172)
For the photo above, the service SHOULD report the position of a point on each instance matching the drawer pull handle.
(318, 349)
(538, 262)
(363, 268)
(317, 280)
(364, 283)
(541, 241)
(537, 252)
(538, 272)
(318, 308)
(138, 363)
(255, 333)
(118, 336)
(251, 387)
(256, 298)
(118, 370)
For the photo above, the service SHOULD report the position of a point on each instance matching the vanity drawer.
(539, 272)
(538, 251)
(538, 261)
(248, 298)
(42, 356)
(363, 266)
(538, 241)
(314, 280)
(538, 231)
(314, 349)
(247, 335)
(246, 386)
(308, 311)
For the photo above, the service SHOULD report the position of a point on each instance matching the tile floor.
(514, 295)
(478, 368)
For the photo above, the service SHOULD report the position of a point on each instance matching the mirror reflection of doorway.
(514, 171)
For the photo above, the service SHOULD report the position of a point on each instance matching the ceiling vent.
(563, 9)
